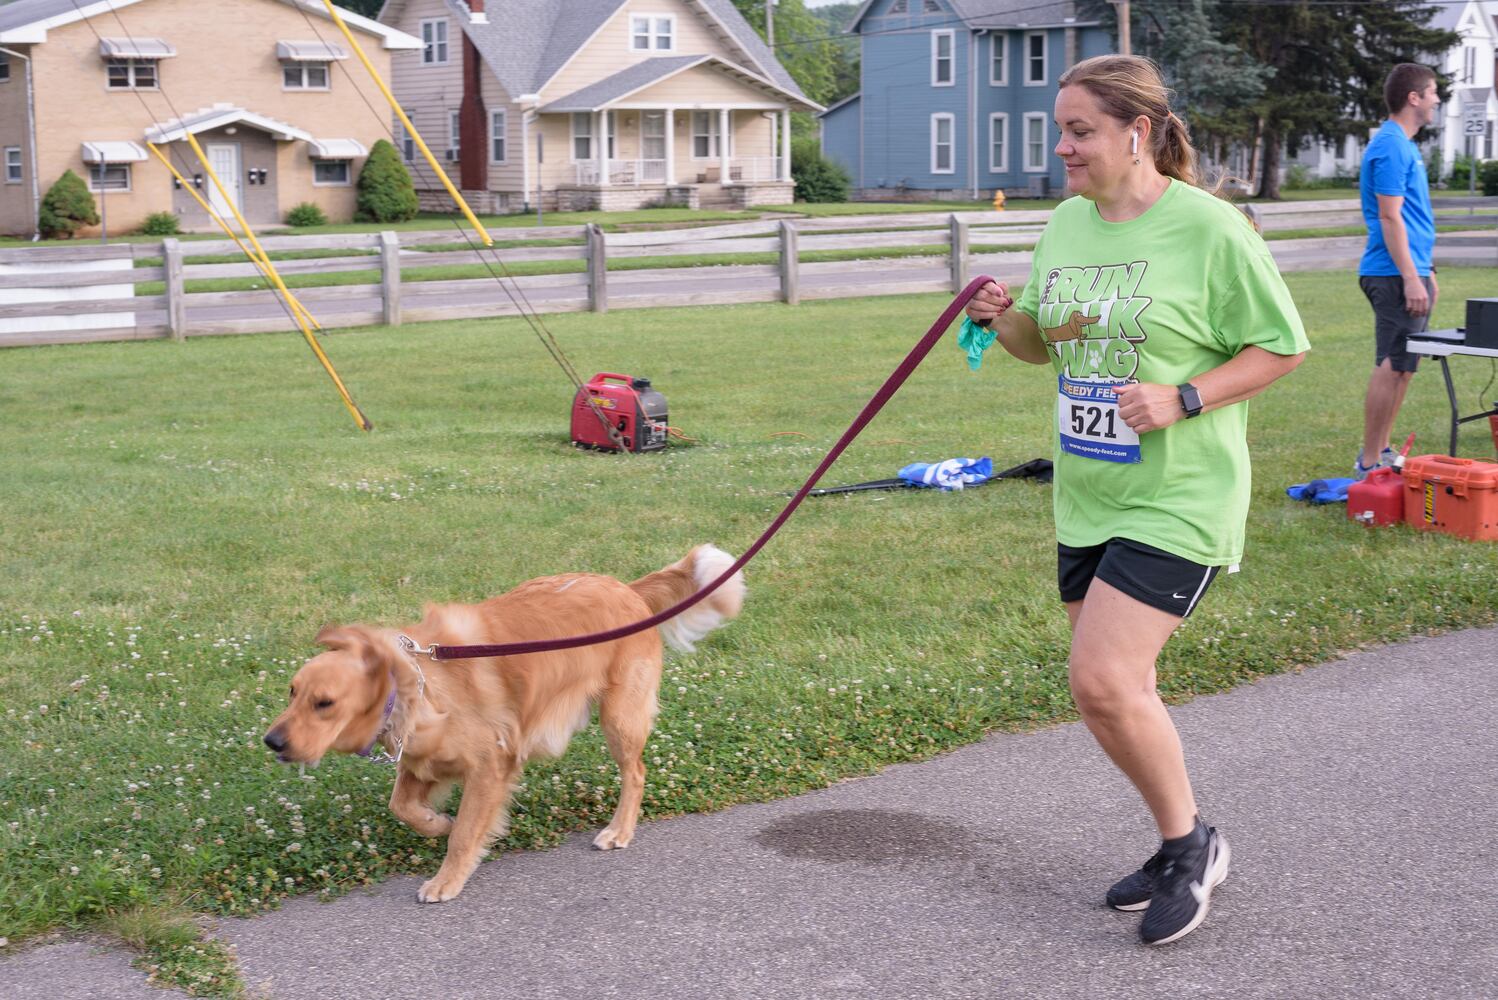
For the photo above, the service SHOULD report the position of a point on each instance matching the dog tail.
(681, 580)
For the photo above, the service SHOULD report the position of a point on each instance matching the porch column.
(785, 144)
(671, 147)
(601, 146)
(723, 125)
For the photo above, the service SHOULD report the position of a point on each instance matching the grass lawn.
(181, 519)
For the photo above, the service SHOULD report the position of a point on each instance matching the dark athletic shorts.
(1392, 326)
(1147, 574)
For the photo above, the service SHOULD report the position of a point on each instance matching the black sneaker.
(1183, 887)
(1133, 892)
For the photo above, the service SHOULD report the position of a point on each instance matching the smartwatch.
(1191, 400)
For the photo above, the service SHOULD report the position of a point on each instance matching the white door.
(224, 158)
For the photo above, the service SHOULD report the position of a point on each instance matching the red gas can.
(1379, 499)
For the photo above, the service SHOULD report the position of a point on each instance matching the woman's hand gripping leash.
(991, 302)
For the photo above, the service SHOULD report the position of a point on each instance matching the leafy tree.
(803, 46)
(817, 178)
(1321, 65)
(386, 193)
(67, 207)
(369, 8)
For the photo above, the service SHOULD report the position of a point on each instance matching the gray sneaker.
(1385, 461)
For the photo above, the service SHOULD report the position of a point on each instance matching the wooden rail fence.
(62, 294)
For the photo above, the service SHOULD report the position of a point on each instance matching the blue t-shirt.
(1392, 166)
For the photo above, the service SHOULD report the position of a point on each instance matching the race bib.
(1087, 418)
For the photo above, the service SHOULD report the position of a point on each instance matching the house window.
(706, 142)
(998, 65)
(899, 7)
(930, 7)
(497, 122)
(331, 173)
(131, 74)
(13, 165)
(941, 144)
(108, 176)
(651, 32)
(942, 74)
(434, 41)
(4, 67)
(454, 136)
(1469, 64)
(1035, 43)
(304, 76)
(1035, 142)
(406, 143)
(998, 143)
(582, 135)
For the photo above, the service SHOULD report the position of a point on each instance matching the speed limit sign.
(1475, 120)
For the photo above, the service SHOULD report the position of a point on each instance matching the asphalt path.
(1358, 796)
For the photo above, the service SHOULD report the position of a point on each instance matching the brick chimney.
(476, 12)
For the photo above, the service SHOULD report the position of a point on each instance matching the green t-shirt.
(1178, 291)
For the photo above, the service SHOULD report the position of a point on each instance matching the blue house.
(956, 97)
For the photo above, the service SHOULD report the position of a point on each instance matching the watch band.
(1191, 399)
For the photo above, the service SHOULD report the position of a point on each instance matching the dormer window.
(652, 33)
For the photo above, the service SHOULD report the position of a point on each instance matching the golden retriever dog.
(476, 722)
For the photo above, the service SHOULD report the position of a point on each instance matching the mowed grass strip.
(181, 519)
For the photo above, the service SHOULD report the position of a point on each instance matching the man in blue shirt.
(1396, 273)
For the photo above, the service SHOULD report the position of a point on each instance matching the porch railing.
(624, 173)
(751, 169)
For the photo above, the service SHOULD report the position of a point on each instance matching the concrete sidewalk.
(1359, 798)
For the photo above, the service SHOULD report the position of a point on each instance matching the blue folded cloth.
(953, 474)
(974, 339)
(1320, 490)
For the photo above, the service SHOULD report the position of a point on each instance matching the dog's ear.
(340, 637)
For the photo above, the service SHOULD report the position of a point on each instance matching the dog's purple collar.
(384, 720)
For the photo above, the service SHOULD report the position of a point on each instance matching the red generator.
(619, 413)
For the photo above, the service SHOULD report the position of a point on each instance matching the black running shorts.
(1392, 324)
(1147, 574)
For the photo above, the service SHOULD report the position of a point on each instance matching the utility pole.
(1122, 7)
(770, 23)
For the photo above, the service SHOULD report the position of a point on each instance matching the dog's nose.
(275, 740)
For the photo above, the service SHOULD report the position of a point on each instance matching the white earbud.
(1134, 144)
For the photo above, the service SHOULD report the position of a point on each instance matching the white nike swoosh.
(1199, 892)
(1181, 597)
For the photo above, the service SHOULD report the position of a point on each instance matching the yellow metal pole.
(348, 400)
(410, 129)
(188, 187)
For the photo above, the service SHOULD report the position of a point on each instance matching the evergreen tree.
(386, 193)
(67, 207)
(1321, 65)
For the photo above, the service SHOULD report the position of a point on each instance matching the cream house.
(84, 86)
(610, 104)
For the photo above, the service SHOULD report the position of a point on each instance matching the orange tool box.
(1456, 495)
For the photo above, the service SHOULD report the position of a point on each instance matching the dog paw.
(439, 889)
(609, 839)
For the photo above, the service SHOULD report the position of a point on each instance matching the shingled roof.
(530, 42)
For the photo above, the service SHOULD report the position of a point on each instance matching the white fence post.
(959, 254)
(598, 270)
(176, 289)
(790, 266)
(390, 277)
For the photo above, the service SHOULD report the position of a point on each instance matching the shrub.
(306, 214)
(1297, 177)
(161, 224)
(1487, 177)
(817, 178)
(386, 193)
(67, 207)
(1461, 171)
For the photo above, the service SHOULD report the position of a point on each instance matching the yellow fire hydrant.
(998, 200)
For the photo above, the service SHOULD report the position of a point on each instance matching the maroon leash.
(889, 388)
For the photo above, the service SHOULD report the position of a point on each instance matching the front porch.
(692, 131)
